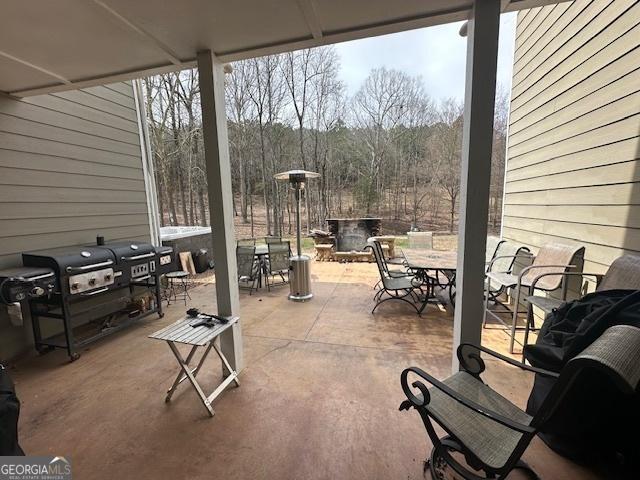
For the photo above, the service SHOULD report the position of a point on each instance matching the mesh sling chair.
(278, 263)
(623, 274)
(552, 258)
(393, 273)
(488, 430)
(400, 288)
(272, 239)
(248, 267)
(246, 242)
(503, 261)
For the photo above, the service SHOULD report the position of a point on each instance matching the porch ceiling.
(68, 44)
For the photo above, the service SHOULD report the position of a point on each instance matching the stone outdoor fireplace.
(351, 234)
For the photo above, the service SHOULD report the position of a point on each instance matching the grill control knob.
(37, 291)
(92, 281)
(107, 277)
(74, 286)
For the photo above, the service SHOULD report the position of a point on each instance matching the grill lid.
(129, 250)
(68, 260)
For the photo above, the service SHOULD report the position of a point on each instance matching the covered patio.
(319, 393)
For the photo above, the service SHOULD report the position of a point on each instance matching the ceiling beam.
(311, 17)
(104, 80)
(35, 67)
(142, 33)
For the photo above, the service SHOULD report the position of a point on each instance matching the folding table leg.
(232, 372)
(185, 368)
(232, 377)
(180, 377)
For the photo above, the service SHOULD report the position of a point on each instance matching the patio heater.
(299, 273)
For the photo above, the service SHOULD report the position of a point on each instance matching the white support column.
(480, 88)
(216, 150)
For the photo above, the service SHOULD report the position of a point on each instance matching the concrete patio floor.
(318, 398)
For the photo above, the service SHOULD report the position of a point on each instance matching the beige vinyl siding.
(70, 169)
(573, 164)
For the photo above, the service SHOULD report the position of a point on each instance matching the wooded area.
(390, 150)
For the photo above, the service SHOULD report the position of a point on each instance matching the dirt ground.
(439, 224)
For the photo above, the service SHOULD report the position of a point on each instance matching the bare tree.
(447, 148)
(386, 150)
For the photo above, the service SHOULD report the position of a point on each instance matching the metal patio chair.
(246, 242)
(623, 273)
(552, 258)
(505, 258)
(391, 272)
(277, 263)
(248, 267)
(488, 430)
(272, 239)
(396, 288)
(493, 245)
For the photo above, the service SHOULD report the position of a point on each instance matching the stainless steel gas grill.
(93, 283)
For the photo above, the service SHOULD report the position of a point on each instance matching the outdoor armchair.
(277, 264)
(248, 267)
(406, 288)
(506, 256)
(623, 273)
(552, 259)
(488, 430)
(393, 273)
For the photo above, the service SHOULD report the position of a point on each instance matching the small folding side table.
(203, 336)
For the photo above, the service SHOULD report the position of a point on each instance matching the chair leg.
(393, 297)
(527, 327)
(516, 309)
(487, 292)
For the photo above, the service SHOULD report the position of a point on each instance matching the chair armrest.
(525, 270)
(481, 366)
(470, 404)
(597, 276)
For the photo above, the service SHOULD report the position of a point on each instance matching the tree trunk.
(265, 193)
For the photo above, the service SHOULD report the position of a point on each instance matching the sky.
(436, 53)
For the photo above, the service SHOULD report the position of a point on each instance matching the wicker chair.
(248, 267)
(402, 287)
(278, 263)
(552, 259)
(486, 428)
(623, 273)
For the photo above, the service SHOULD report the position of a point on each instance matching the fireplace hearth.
(351, 234)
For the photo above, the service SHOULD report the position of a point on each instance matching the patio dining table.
(434, 267)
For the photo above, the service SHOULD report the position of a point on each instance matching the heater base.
(300, 279)
(298, 298)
